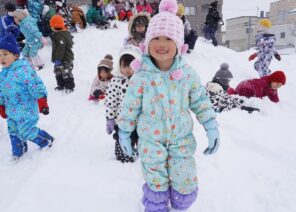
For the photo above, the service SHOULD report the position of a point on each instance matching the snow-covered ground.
(254, 169)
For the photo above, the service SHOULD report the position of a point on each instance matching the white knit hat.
(127, 49)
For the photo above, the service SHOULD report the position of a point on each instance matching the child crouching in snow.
(22, 92)
(114, 97)
(217, 92)
(101, 81)
(157, 104)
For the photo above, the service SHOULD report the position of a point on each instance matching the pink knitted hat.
(166, 23)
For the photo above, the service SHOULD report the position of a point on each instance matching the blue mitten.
(211, 127)
(125, 142)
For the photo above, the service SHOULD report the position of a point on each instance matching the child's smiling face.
(163, 50)
(7, 58)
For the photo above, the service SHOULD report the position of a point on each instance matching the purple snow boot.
(155, 201)
(182, 201)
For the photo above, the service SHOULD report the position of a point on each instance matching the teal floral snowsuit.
(158, 105)
(29, 28)
(20, 87)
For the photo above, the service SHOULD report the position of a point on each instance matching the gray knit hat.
(223, 75)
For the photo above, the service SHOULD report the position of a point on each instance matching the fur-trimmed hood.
(131, 26)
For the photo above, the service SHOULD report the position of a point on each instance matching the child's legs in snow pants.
(64, 75)
(262, 64)
(31, 53)
(19, 146)
(118, 151)
(173, 167)
(24, 131)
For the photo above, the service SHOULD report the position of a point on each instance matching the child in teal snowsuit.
(35, 8)
(21, 93)
(34, 39)
(158, 102)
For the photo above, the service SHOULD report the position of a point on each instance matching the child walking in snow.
(217, 92)
(62, 55)
(101, 81)
(137, 28)
(157, 103)
(114, 97)
(34, 39)
(190, 35)
(265, 49)
(265, 86)
(22, 92)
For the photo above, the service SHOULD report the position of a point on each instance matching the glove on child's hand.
(43, 107)
(278, 57)
(213, 136)
(2, 111)
(253, 56)
(110, 126)
(125, 142)
(250, 109)
(57, 63)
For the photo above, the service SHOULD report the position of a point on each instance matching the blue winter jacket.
(157, 103)
(29, 28)
(20, 88)
(5, 22)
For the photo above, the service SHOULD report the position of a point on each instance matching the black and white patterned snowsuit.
(114, 97)
(220, 99)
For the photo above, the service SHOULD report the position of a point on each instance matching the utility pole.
(249, 33)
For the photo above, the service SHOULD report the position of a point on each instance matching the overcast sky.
(236, 8)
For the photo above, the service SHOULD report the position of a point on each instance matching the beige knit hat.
(20, 14)
(106, 62)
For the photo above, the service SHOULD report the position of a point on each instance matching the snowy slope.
(254, 169)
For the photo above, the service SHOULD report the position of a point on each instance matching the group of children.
(22, 92)
(104, 14)
(148, 98)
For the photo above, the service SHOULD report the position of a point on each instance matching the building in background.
(283, 18)
(240, 32)
(196, 12)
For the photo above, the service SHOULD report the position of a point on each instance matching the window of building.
(205, 8)
(249, 30)
(282, 15)
(283, 35)
(190, 11)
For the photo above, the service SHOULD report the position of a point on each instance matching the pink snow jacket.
(257, 88)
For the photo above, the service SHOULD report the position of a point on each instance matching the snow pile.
(254, 169)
